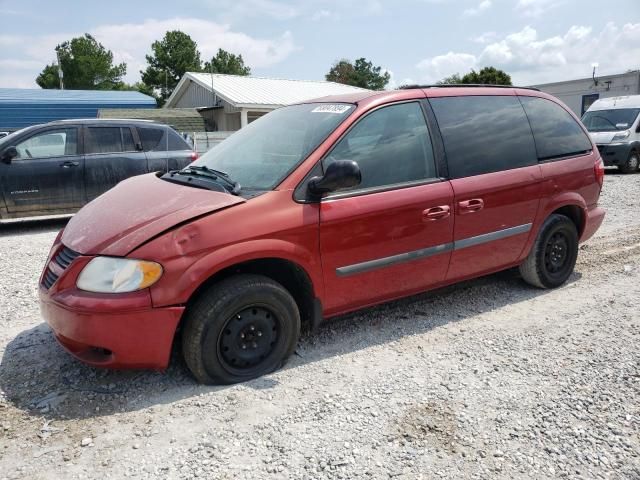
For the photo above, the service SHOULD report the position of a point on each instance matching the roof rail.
(464, 85)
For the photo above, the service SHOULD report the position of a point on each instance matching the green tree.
(362, 74)
(170, 59)
(86, 65)
(228, 63)
(486, 76)
(452, 79)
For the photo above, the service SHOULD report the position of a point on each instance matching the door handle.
(436, 213)
(470, 206)
(69, 164)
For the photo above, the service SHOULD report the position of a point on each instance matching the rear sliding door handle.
(69, 164)
(436, 213)
(470, 206)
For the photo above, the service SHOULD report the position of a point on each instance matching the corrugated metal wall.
(195, 96)
(21, 108)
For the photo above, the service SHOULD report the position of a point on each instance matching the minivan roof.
(611, 103)
(368, 96)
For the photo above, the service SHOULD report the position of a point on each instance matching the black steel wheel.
(632, 164)
(239, 329)
(553, 255)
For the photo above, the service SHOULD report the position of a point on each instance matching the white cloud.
(482, 6)
(536, 8)
(530, 60)
(485, 37)
(436, 68)
(130, 42)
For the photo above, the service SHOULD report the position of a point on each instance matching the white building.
(579, 94)
(230, 102)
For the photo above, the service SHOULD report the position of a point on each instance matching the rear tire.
(553, 256)
(632, 164)
(239, 329)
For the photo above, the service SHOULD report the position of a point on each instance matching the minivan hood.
(603, 137)
(136, 210)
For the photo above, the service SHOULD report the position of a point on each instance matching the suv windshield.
(261, 155)
(610, 120)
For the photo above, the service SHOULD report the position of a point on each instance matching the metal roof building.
(234, 101)
(21, 107)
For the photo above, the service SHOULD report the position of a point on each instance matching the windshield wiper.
(222, 177)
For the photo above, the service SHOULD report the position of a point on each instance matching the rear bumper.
(594, 218)
(116, 337)
(614, 154)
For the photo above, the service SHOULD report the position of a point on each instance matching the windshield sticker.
(622, 125)
(331, 109)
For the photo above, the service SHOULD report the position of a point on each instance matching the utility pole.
(60, 75)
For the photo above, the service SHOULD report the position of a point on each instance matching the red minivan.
(319, 209)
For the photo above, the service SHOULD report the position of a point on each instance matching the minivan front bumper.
(614, 154)
(121, 336)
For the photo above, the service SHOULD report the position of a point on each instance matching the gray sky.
(534, 41)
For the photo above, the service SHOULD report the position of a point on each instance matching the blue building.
(20, 107)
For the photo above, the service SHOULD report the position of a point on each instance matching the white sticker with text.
(331, 109)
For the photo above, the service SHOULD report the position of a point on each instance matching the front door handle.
(436, 213)
(69, 164)
(470, 206)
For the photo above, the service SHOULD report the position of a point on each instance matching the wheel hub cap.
(556, 252)
(248, 337)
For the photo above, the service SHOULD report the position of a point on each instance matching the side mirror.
(339, 174)
(8, 154)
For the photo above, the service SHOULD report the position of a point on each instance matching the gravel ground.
(486, 379)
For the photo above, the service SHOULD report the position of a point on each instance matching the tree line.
(85, 64)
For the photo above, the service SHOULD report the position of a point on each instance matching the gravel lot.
(487, 379)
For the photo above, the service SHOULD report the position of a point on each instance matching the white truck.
(614, 125)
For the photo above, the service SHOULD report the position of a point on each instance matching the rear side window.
(556, 132)
(109, 140)
(484, 134)
(155, 140)
(391, 145)
(150, 138)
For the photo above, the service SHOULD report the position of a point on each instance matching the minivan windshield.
(261, 155)
(610, 120)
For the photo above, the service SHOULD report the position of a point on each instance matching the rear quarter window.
(484, 134)
(156, 139)
(557, 134)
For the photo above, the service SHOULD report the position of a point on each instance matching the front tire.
(632, 163)
(239, 329)
(553, 256)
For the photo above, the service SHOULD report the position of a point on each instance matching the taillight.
(194, 156)
(599, 171)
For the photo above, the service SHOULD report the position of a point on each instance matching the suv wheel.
(632, 164)
(553, 255)
(241, 328)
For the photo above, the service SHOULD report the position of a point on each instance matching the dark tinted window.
(150, 138)
(391, 145)
(109, 140)
(484, 134)
(127, 140)
(556, 132)
(176, 142)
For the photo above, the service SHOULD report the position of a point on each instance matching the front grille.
(49, 279)
(63, 258)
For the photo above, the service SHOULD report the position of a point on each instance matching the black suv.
(57, 167)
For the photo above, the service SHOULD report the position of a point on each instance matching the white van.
(614, 125)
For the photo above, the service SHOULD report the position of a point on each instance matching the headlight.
(118, 275)
(621, 135)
